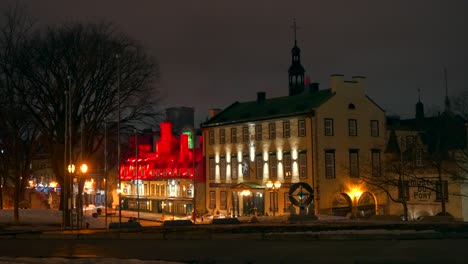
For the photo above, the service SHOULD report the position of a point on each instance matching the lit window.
(352, 127)
(222, 200)
(245, 134)
(330, 164)
(302, 165)
(328, 127)
(272, 130)
(233, 135)
(286, 129)
(211, 137)
(212, 200)
(222, 136)
(353, 163)
(258, 132)
(273, 162)
(222, 168)
(234, 169)
(259, 163)
(287, 165)
(212, 168)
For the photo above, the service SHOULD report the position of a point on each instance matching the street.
(244, 250)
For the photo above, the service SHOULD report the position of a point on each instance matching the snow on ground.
(52, 219)
(24, 260)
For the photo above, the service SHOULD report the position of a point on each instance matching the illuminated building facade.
(324, 138)
(167, 179)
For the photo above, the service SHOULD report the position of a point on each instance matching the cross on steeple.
(295, 28)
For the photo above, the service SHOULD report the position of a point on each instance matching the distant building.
(432, 152)
(163, 172)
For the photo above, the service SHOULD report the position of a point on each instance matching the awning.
(247, 185)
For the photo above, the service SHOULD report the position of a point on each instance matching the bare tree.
(95, 69)
(19, 137)
(392, 178)
(460, 107)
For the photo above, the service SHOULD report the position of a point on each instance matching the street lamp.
(71, 200)
(71, 168)
(274, 188)
(83, 169)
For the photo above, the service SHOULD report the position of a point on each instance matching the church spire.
(447, 101)
(296, 71)
(295, 28)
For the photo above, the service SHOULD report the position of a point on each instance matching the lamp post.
(137, 170)
(105, 171)
(70, 200)
(274, 189)
(119, 190)
(84, 169)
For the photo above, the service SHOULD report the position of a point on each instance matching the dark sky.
(215, 52)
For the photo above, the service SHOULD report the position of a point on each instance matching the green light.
(190, 138)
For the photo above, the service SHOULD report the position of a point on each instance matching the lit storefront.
(163, 181)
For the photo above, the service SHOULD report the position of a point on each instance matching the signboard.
(422, 189)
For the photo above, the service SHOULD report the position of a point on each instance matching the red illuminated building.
(167, 179)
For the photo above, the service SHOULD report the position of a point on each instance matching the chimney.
(361, 81)
(214, 111)
(337, 81)
(261, 96)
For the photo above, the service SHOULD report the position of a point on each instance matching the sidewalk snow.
(25, 260)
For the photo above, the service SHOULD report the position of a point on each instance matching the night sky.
(213, 53)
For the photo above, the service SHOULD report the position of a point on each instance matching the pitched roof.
(277, 107)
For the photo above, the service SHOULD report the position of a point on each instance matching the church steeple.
(296, 71)
(447, 101)
(419, 111)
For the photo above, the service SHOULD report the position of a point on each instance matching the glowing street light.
(274, 187)
(84, 168)
(71, 168)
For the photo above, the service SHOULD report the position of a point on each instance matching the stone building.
(323, 137)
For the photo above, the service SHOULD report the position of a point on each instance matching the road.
(245, 250)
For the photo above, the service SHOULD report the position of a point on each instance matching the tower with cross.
(296, 71)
